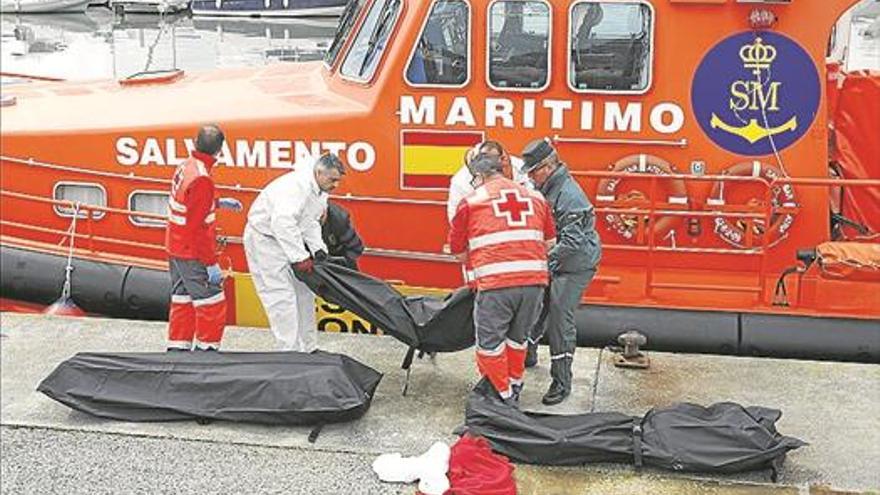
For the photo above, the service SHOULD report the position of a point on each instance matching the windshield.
(441, 53)
(343, 30)
(366, 50)
(610, 45)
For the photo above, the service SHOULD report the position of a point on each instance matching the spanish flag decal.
(429, 159)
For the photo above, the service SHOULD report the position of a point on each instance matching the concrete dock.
(48, 448)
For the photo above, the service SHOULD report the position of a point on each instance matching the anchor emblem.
(753, 132)
(760, 94)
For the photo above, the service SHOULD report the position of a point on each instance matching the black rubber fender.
(117, 290)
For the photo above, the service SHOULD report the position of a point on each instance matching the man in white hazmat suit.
(283, 233)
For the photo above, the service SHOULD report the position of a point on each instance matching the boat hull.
(270, 8)
(43, 6)
(149, 6)
(127, 291)
(672, 242)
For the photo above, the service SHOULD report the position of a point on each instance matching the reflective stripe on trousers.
(198, 309)
(502, 319)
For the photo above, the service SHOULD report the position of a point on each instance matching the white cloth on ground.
(429, 468)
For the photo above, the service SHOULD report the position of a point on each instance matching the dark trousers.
(503, 319)
(563, 297)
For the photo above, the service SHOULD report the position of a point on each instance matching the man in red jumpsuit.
(198, 306)
(505, 230)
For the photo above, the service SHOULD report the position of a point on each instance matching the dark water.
(99, 44)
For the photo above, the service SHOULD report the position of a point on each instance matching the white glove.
(229, 204)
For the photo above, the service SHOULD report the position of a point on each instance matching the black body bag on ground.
(722, 438)
(279, 388)
(426, 324)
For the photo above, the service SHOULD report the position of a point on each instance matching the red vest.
(191, 231)
(504, 228)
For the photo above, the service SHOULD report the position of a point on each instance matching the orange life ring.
(733, 230)
(607, 191)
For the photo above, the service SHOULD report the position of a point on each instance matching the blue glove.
(552, 266)
(215, 274)
(229, 204)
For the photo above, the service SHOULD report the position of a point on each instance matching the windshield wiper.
(342, 30)
(385, 15)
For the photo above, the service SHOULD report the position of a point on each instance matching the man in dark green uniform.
(572, 261)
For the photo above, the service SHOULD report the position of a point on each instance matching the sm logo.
(754, 93)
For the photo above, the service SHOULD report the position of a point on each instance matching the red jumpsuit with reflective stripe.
(198, 309)
(504, 227)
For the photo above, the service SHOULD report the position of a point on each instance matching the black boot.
(531, 355)
(516, 392)
(511, 403)
(555, 394)
(560, 388)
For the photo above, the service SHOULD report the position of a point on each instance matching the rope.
(65, 291)
(152, 48)
(671, 236)
(596, 380)
(767, 126)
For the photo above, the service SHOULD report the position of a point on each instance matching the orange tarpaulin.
(854, 107)
(850, 259)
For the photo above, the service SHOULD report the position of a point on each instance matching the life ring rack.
(627, 225)
(734, 231)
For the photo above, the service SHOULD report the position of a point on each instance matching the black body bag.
(722, 438)
(425, 324)
(278, 388)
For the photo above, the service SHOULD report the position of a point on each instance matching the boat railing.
(32, 77)
(648, 211)
(86, 213)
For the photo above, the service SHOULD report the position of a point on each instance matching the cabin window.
(610, 46)
(343, 30)
(369, 44)
(79, 192)
(519, 45)
(441, 57)
(148, 202)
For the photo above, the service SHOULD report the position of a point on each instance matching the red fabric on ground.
(475, 470)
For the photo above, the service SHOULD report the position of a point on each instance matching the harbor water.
(102, 45)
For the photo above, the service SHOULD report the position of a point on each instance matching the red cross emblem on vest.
(513, 207)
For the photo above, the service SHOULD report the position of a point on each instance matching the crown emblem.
(757, 56)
